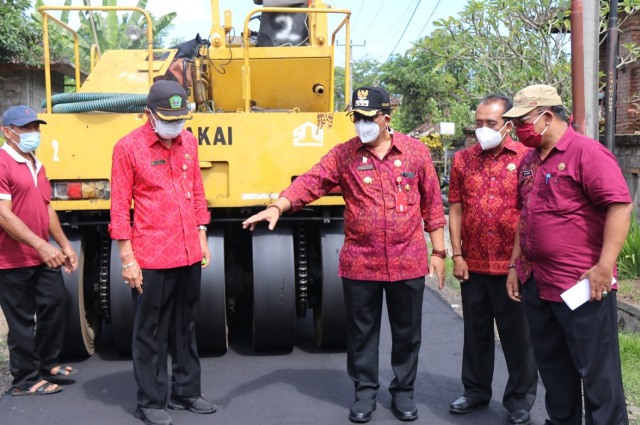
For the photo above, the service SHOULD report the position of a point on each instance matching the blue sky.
(377, 23)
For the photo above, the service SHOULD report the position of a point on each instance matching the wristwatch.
(442, 253)
(202, 227)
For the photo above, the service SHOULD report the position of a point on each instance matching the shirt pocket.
(563, 194)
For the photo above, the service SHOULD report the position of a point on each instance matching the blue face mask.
(29, 142)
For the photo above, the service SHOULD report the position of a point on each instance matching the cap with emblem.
(20, 116)
(369, 100)
(168, 100)
(529, 98)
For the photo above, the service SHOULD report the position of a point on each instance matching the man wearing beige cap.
(575, 211)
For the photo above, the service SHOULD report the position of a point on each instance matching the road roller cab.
(263, 113)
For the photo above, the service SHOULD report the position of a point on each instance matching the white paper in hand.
(579, 293)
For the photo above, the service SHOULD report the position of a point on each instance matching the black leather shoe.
(361, 411)
(465, 405)
(403, 408)
(192, 404)
(519, 417)
(153, 416)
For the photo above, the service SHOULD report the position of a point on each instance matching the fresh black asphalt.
(305, 386)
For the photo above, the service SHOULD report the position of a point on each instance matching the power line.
(372, 22)
(429, 19)
(358, 14)
(405, 28)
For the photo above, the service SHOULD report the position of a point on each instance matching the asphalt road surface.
(305, 386)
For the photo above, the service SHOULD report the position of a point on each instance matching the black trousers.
(25, 293)
(577, 350)
(165, 316)
(363, 304)
(484, 298)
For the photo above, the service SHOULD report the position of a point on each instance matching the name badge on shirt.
(365, 167)
(158, 162)
(408, 174)
(401, 202)
(527, 173)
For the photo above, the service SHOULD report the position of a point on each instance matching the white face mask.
(167, 130)
(489, 138)
(28, 142)
(367, 131)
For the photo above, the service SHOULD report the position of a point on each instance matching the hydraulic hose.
(69, 103)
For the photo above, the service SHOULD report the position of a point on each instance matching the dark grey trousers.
(363, 303)
(484, 298)
(165, 316)
(26, 292)
(575, 350)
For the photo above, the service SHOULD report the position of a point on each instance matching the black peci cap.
(369, 100)
(168, 100)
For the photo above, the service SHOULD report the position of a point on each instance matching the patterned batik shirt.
(169, 204)
(389, 203)
(487, 187)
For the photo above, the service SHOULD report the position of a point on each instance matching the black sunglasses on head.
(355, 117)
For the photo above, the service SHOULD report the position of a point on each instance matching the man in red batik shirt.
(575, 214)
(392, 196)
(156, 166)
(482, 222)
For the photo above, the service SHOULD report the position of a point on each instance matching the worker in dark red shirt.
(575, 214)
(156, 166)
(482, 222)
(392, 197)
(31, 283)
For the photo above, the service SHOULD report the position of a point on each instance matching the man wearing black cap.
(156, 166)
(392, 196)
(31, 283)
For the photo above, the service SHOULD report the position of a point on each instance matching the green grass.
(629, 290)
(450, 280)
(630, 358)
(4, 351)
(629, 258)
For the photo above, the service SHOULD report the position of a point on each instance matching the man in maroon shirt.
(31, 283)
(575, 212)
(156, 166)
(392, 196)
(482, 222)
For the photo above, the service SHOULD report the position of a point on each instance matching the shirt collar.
(396, 142)
(151, 137)
(509, 145)
(566, 139)
(17, 157)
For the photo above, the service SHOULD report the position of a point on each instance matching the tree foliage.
(20, 38)
(492, 46)
(110, 29)
(364, 72)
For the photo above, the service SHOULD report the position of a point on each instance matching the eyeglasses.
(523, 120)
(355, 117)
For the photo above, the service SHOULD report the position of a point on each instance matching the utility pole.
(351, 46)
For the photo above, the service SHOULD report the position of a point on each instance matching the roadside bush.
(629, 258)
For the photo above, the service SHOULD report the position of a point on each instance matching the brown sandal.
(41, 388)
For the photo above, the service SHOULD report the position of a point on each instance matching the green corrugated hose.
(70, 103)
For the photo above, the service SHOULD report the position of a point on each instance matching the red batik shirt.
(169, 204)
(381, 243)
(487, 186)
(564, 200)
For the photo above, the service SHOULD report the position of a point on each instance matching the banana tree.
(109, 29)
